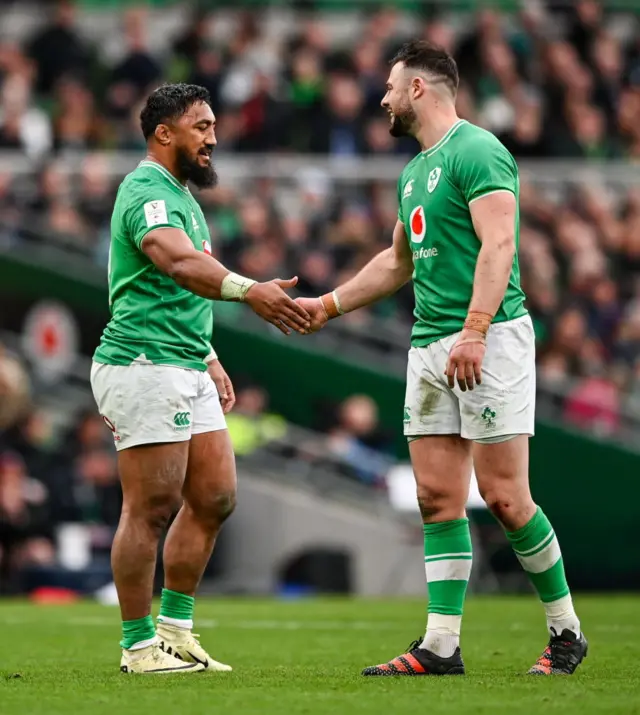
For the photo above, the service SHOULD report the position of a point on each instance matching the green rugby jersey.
(434, 193)
(151, 315)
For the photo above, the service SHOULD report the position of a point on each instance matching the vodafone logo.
(418, 224)
(206, 247)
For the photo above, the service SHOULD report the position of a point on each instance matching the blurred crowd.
(48, 480)
(579, 255)
(552, 80)
(555, 80)
(51, 479)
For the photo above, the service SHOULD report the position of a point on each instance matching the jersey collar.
(450, 132)
(165, 172)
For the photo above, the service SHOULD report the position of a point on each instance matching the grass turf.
(305, 657)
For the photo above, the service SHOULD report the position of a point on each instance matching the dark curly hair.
(423, 55)
(170, 102)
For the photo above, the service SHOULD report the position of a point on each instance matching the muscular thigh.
(442, 467)
(152, 476)
(211, 469)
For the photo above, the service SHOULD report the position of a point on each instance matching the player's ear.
(163, 135)
(417, 87)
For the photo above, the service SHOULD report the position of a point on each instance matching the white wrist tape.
(235, 287)
(211, 357)
(337, 302)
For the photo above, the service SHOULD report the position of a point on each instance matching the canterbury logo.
(182, 419)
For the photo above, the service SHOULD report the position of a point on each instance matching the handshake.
(303, 315)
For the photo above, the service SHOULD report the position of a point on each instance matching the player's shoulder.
(147, 179)
(470, 137)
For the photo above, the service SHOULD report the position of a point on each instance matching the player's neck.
(169, 166)
(433, 129)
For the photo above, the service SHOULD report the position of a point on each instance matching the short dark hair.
(170, 102)
(424, 55)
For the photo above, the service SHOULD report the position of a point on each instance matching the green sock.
(538, 551)
(136, 631)
(447, 560)
(176, 608)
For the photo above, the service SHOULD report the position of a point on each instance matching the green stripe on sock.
(528, 543)
(539, 547)
(532, 533)
(140, 629)
(176, 605)
(448, 541)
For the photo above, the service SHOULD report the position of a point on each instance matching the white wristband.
(235, 287)
(211, 357)
(337, 302)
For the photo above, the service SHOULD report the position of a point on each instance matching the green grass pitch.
(304, 657)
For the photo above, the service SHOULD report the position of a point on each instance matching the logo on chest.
(432, 180)
(418, 224)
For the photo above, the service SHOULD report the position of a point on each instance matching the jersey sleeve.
(151, 207)
(486, 166)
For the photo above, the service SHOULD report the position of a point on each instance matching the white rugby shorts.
(143, 403)
(503, 404)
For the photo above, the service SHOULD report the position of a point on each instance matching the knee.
(158, 511)
(215, 509)
(437, 504)
(506, 504)
(498, 501)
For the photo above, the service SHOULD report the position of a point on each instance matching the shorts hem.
(503, 433)
(432, 433)
(149, 441)
(209, 429)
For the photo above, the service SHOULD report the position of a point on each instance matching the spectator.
(251, 425)
(26, 526)
(136, 73)
(22, 126)
(14, 389)
(357, 440)
(58, 49)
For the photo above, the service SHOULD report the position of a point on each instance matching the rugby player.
(470, 393)
(159, 385)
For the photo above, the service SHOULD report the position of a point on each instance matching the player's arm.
(494, 220)
(384, 275)
(487, 178)
(173, 253)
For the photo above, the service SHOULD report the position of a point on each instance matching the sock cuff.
(445, 527)
(176, 605)
(536, 529)
(139, 630)
(143, 622)
(183, 597)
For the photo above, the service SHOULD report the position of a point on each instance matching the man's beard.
(204, 177)
(402, 123)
